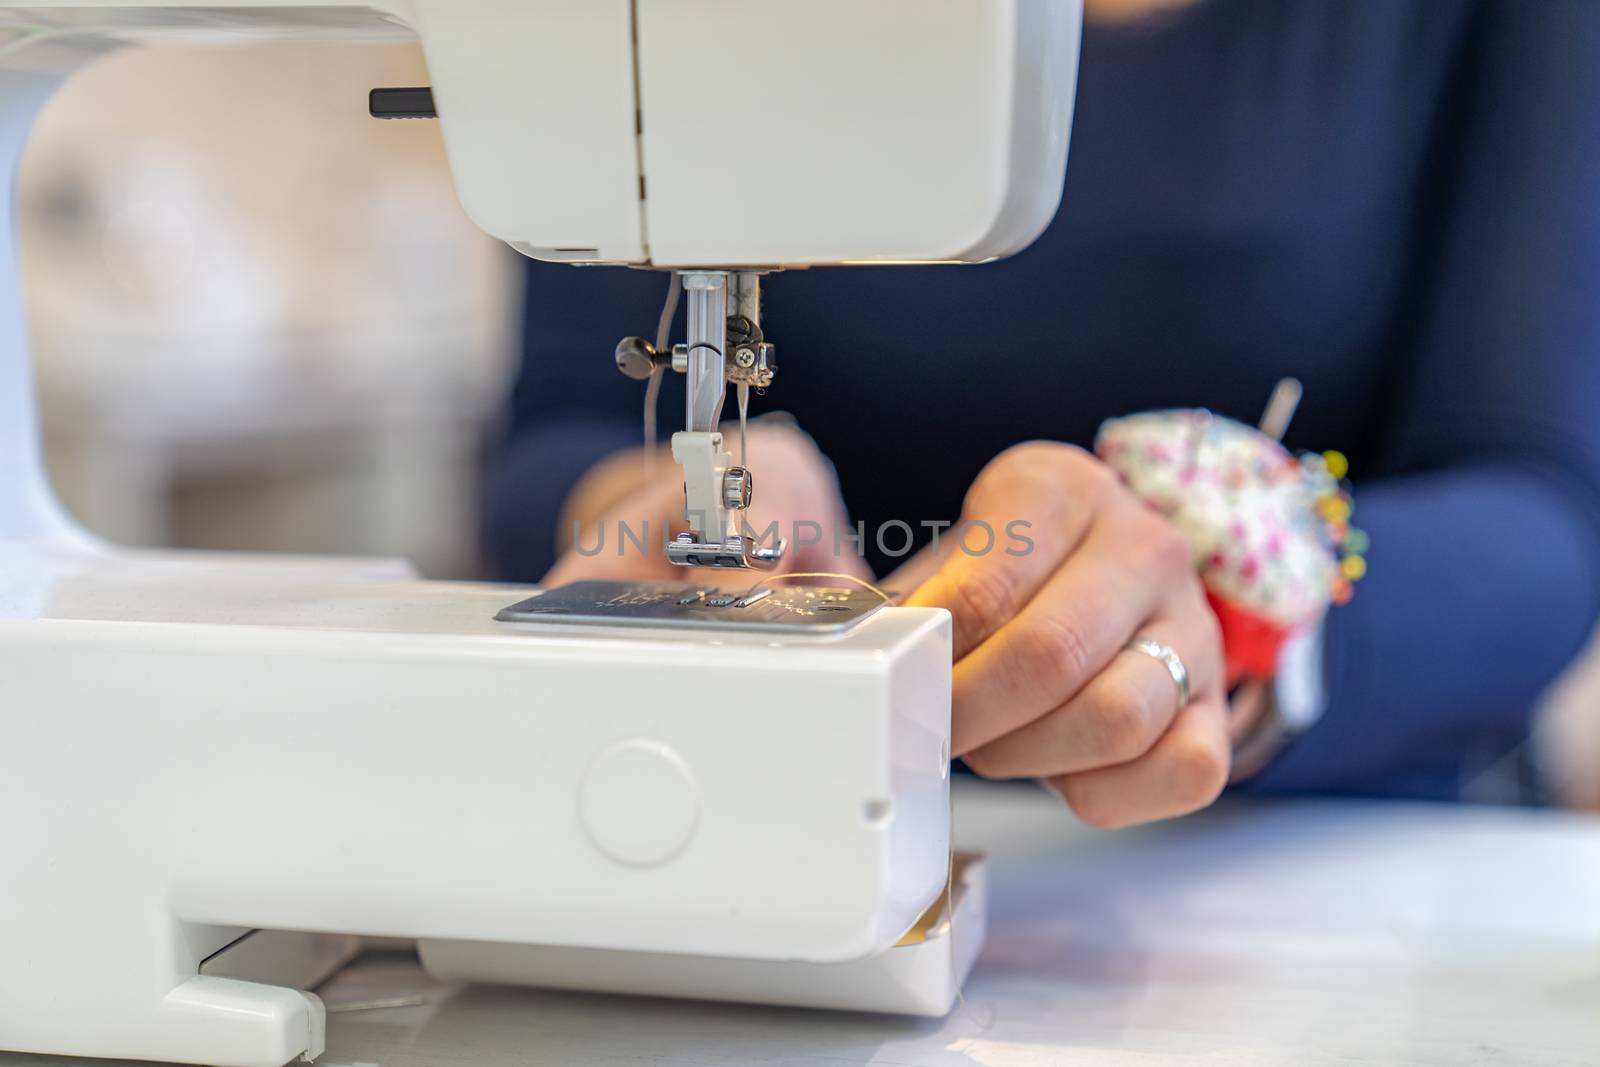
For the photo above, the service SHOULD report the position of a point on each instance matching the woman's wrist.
(1282, 708)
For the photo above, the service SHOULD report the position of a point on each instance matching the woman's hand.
(793, 484)
(1043, 686)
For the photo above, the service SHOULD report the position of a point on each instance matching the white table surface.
(1305, 933)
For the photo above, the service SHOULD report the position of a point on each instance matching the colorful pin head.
(1270, 531)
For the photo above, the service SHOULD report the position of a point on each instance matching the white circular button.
(639, 802)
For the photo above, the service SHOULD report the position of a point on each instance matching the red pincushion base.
(1249, 643)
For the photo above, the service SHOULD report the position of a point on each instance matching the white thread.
(652, 391)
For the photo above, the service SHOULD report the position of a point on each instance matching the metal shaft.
(745, 296)
(715, 490)
(708, 325)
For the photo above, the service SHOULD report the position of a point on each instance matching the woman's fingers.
(1049, 493)
(1041, 686)
(914, 572)
(1183, 772)
(1131, 562)
(1117, 717)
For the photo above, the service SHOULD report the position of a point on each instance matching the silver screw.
(737, 486)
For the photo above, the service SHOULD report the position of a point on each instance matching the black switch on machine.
(402, 104)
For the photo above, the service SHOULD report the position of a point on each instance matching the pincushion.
(1270, 533)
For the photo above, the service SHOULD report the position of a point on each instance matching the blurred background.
(260, 318)
(261, 321)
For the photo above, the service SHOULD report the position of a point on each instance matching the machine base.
(922, 975)
(200, 746)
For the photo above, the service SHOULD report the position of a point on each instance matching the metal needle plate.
(790, 609)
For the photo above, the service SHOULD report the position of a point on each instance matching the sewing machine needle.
(744, 420)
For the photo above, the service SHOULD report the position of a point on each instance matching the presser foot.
(732, 553)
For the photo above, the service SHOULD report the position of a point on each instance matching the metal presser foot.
(738, 552)
(725, 345)
(715, 489)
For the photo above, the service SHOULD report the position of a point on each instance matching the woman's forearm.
(1483, 584)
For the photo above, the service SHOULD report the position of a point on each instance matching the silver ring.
(1167, 658)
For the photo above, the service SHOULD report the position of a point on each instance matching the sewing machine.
(218, 771)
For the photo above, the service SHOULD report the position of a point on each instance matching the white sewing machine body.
(194, 747)
(700, 132)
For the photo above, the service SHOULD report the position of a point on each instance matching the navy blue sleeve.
(1485, 563)
(571, 407)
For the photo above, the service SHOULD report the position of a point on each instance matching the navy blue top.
(1396, 201)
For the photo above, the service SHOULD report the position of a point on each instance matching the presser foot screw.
(737, 488)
